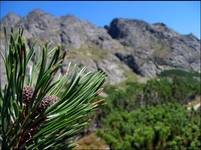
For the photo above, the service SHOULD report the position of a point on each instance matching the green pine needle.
(22, 126)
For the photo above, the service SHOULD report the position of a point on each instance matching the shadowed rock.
(126, 45)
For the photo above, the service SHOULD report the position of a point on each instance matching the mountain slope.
(124, 48)
(155, 47)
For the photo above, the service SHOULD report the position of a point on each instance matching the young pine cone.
(46, 102)
(27, 94)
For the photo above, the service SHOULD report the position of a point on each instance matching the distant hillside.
(125, 48)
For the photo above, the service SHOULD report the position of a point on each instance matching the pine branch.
(39, 110)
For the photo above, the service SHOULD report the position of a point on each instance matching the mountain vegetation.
(166, 126)
(153, 115)
(148, 100)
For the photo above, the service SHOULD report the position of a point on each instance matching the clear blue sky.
(183, 17)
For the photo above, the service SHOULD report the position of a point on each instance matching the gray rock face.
(10, 20)
(124, 46)
(76, 33)
(111, 67)
(155, 47)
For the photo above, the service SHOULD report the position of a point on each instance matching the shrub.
(180, 73)
(168, 126)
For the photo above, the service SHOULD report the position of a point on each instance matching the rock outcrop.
(126, 46)
(154, 47)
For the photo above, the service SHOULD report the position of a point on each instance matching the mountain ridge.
(125, 47)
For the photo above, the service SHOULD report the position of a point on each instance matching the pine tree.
(42, 110)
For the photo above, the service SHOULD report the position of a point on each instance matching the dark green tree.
(167, 126)
(43, 110)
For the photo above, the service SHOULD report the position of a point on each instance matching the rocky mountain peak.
(160, 24)
(38, 16)
(163, 28)
(192, 36)
(136, 22)
(38, 22)
(10, 20)
(70, 17)
(125, 46)
(119, 27)
(37, 13)
(154, 47)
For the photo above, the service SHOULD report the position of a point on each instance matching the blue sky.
(183, 17)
